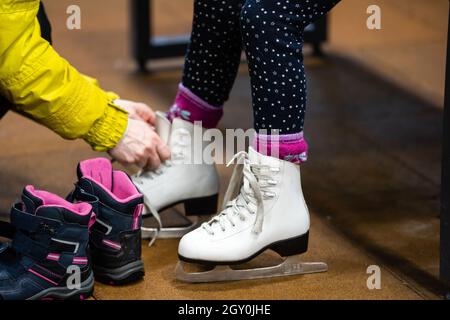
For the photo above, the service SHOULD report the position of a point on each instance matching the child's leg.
(272, 32)
(211, 63)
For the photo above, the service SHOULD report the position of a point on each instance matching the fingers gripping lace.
(142, 175)
(181, 142)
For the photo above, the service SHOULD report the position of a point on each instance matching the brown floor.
(410, 48)
(373, 199)
(346, 278)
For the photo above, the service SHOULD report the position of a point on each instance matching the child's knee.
(252, 17)
(263, 17)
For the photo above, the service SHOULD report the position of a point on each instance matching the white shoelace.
(157, 217)
(141, 176)
(249, 184)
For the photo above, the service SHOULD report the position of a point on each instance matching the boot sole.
(285, 248)
(128, 273)
(86, 290)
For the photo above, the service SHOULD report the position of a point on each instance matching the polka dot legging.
(271, 32)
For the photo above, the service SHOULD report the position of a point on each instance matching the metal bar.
(316, 34)
(445, 182)
(168, 47)
(140, 30)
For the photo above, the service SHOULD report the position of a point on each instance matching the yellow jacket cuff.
(107, 131)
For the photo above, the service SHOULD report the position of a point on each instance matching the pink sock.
(288, 147)
(191, 108)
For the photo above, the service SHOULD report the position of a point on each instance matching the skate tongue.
(31, 200)
(163, 126)
(98, 169)
(253, 156)
(258, 158)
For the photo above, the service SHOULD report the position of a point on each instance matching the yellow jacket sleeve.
(45, 86)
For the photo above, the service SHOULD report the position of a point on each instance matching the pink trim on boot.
(80, 260)
(136, 216)
(53, 256)
(52, 200)
(191, 108)
(288, 147)
(100, 171)
(92, 221)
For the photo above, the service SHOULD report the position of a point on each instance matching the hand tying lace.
(180, 144)
(249, 185)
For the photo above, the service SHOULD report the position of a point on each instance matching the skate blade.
(169, 233)
(175, 232)
(290, 266)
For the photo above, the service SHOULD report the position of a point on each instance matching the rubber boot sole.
(128, 273)
(64, 293)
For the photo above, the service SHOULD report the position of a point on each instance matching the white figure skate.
(178, 181)
(268, 211)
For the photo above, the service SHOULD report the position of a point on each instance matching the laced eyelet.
(269, 195)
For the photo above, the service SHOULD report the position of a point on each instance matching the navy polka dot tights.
(271, 33)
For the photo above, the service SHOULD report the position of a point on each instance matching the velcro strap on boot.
(29, 247)
(25, 221)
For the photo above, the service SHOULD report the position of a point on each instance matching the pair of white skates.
(263, 209)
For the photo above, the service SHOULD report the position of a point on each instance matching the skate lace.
(155, 214)
(177, 154)
(249, 184)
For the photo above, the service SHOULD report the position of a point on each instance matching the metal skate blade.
(170, 232)
(176, 225)
(290, 266)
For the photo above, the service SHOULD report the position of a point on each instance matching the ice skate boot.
(116, 236)
(178, 181)
(267, 211)
(48, 257)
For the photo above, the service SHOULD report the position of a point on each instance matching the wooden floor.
(372, 181)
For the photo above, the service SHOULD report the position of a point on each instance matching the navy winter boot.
(116, 235)
(48, 257)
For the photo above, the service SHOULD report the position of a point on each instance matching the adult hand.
(140, 145)
(137, 110)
